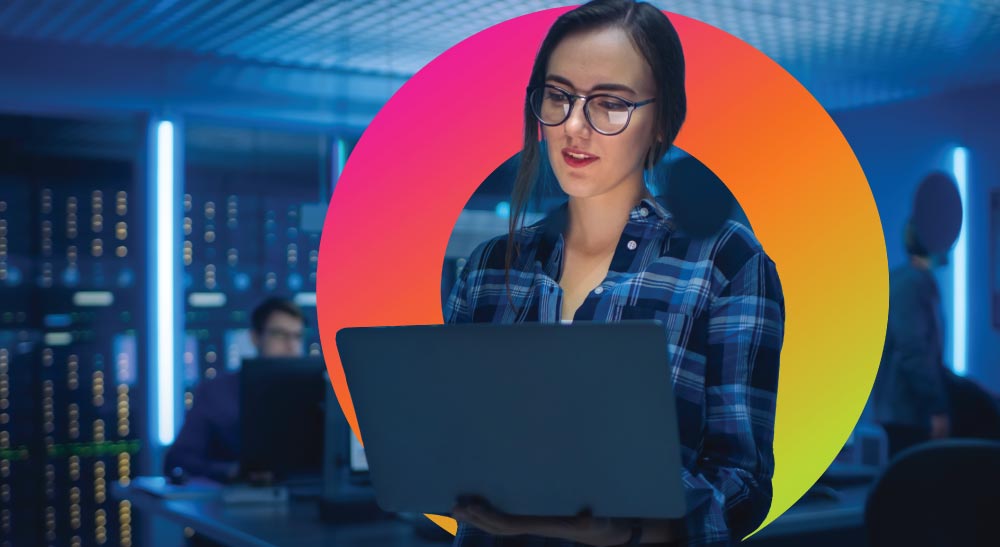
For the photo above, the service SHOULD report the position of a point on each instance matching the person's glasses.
(607, 114)
(284, 335)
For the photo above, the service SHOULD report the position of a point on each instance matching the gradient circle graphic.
(749, 121)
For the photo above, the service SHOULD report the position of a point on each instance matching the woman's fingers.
(583, 526)
(488, 520)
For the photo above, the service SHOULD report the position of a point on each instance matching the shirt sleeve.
(915, 335)
(190, 450)
(729, 489)
(459, 306)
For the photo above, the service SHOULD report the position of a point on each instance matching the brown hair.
(656, 40)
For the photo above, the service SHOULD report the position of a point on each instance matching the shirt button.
(598, 290)
(644, 212)
(632, 245)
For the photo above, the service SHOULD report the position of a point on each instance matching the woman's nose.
(577, 124)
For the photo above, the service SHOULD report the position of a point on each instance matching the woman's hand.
(582, 528)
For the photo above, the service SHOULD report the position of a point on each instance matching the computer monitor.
(346, 494)
(344, 460)
(281, 419)
(359, 463)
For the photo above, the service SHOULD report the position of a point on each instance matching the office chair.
(973, 411)
(937, 494)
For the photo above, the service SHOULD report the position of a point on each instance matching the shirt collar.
(554, 224)
(656, 210)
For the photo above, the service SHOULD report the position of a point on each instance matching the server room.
(166, 168)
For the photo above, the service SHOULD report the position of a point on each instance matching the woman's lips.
(577, 158)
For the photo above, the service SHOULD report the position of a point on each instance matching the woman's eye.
(613, 106)
(556, 98)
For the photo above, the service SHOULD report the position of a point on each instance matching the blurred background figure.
(917, 396)
(911, 401)
(277, 328)
(208, 442)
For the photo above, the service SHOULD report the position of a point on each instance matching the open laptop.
(537, 419)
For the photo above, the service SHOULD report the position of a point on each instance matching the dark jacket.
(209, 441)
(910, 387)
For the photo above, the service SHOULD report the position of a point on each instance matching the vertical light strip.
(341, 158)
(960, 263)
(164, 273)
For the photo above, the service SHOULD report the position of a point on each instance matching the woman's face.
(585, 162)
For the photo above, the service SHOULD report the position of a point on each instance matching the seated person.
(208, 443)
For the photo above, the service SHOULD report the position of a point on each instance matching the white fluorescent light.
(305, 299)
(95, 299)
(58, 339)
(207, 299)
(165, 280)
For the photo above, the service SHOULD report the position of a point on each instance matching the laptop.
(537, 419)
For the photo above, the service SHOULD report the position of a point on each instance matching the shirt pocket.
(677, 326)
(687, 351)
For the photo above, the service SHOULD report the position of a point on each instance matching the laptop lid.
(537, 419)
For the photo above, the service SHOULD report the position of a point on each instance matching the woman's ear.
(658, 134)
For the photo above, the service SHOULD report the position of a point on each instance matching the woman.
(607, 91)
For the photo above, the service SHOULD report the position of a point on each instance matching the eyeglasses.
(607, 114)
(284, 335)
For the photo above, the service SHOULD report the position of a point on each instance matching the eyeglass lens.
(606, 113)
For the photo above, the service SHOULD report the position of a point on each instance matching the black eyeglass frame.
(632, 107)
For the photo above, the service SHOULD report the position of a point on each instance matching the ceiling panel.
(848, 53)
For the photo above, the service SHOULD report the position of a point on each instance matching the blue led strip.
(341, 159)
(960, 265)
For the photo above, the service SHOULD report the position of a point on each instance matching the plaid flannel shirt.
(720, 300)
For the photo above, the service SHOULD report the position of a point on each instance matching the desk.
(817, 522)
(271, 524)
(813, 522)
